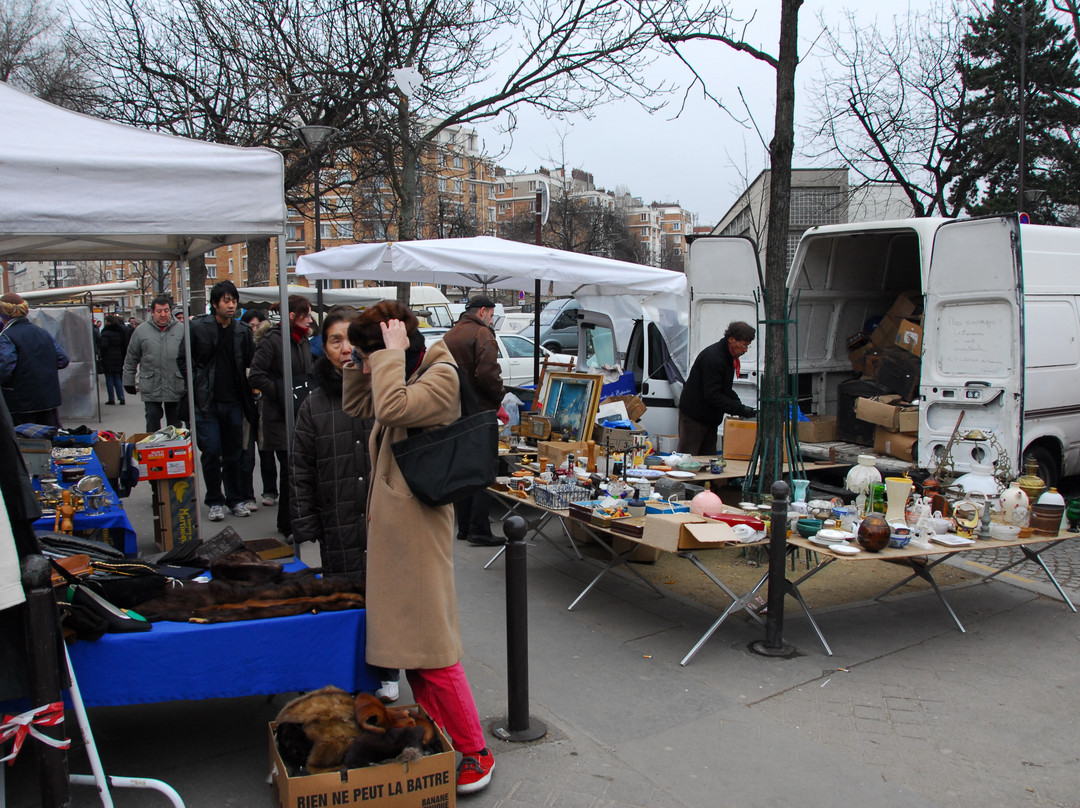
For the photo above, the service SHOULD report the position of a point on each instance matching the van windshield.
(551, 311)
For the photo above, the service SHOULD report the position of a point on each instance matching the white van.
(1001, 329)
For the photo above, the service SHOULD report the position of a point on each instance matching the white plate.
(645, 473)
(681, 475)
(845, 549)
(834, 536)
(822, 542)
(951, 540)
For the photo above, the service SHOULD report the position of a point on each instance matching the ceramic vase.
(897, 491)
(1014, 496)
(874, 533)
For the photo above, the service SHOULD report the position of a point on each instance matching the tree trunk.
(197, 285)
(258, 255)
(773, 421)
(410, 155)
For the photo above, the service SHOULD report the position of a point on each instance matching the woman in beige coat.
(412, 616)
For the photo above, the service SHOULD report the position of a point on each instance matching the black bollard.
(774, 620)
(518, 725)
(43, 662)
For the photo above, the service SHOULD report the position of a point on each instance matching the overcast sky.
(703, 158)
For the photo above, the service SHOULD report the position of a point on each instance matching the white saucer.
(845, 549)
(681, 475)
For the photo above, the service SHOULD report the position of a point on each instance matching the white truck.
(1001, 327)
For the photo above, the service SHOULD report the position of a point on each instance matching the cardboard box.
(684, 531)
(888, 411)
(885, 333)
(895, 444)
(739, 437)
(557, 450)
(635, 407)
(872, 361)
(905, 305)
(849, 428)
(909, 337)
(109, 452)
(619, 440)
(174, 512)
(818, 429)
(430, 781)
(165, 459)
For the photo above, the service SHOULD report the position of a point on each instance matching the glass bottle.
(877, 499)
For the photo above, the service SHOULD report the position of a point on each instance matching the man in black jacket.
(221, 351)
(30, 361)
(708, 396)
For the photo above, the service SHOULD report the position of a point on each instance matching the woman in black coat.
(113, 344)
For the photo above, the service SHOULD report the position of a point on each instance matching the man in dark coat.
(221, 352)
(29, 363)
(708, 396)
(113, 345)
(472, 343)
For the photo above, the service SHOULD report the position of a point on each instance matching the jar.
(861, 477)
(1014, 495)
(980, 480)
(1051, 497)
(1031, 483)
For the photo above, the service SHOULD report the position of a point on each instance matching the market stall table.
(922, 563)
(111, 517)
(195, 661)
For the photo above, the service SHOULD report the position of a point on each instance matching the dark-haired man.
(221, 351)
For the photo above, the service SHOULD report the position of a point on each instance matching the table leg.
(740, 602)
(617, 559)
(792, 588)
(745, 599)
(911, 577)
(1033, 556)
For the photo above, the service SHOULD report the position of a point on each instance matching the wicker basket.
(559, 497)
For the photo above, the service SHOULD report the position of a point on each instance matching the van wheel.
(554, 347)
(1047, 464)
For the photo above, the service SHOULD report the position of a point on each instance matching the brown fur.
(327, 718)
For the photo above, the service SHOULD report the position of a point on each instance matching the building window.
(325, 230)
(813, 206)
(108, 274)
(644, 217)
(442, 184)
(442, 159)
(345, 230)
(230, 266)
(290, 259)
(458, 162)
(292, 232)
(211, 270)
(491, 214)
(459, 186)
(676, 226)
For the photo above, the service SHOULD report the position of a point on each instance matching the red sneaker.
(474, 772)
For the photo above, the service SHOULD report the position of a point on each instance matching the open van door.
(724, 273)
(973, 344)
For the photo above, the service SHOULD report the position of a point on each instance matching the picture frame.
(569, 401)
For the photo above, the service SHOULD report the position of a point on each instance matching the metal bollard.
(773, 645)
(518, 725)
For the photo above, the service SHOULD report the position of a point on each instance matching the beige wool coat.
(412, 614)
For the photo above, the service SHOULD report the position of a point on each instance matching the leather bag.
(453, 462)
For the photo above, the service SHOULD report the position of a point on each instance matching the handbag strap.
(470, 405)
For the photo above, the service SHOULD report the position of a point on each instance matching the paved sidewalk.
(910, 711)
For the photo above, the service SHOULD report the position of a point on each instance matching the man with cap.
(472, 343)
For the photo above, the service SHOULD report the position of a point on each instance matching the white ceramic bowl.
(1004, 532)
(834, 536)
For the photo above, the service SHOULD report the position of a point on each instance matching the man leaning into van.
(708, 396)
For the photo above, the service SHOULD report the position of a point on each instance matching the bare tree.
(40, 55)
(891, 107)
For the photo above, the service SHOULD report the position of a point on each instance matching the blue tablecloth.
(112, 517)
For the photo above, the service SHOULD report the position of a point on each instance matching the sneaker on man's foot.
(217, 513)
(489, 540)
(240, 509)
(269, 499)
(387, 692)
(251, 505)
(474, 772)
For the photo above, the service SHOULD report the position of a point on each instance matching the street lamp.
(314, 137)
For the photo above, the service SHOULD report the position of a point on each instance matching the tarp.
(74, 187)
(98, 290)
(488, 261)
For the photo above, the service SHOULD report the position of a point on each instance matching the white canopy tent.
(74, 187)
(487, 261)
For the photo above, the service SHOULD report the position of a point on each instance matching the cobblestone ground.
(1063, 561)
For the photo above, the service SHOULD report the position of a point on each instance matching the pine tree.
(989, 154)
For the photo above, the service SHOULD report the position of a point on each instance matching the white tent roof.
(487, 261)
(74, 187)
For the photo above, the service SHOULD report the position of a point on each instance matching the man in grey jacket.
(153, 349)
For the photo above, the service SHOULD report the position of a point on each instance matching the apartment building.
(818, 196)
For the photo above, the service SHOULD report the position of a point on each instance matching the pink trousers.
(448, 699)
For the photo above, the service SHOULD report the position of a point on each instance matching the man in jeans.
(221, 351)
(153, 350)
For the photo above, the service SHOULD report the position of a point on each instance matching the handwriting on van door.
(976, 339)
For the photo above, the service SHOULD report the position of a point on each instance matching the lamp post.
(314, 137)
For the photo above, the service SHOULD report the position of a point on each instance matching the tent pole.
(185, 302)
(286, 353)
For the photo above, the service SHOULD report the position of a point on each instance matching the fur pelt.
(220, 600)
(328, 729)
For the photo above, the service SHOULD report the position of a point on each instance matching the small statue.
(65, 515)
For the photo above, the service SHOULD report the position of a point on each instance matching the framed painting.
(569, 401)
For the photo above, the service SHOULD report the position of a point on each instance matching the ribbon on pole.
(19, 726)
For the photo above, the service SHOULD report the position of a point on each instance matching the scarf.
(297, 333)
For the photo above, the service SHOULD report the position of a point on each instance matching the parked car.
(515, 356)
(558, 325)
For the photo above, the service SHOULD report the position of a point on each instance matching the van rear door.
(973, 344)
(724, 273)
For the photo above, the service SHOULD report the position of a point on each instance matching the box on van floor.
(888, 411)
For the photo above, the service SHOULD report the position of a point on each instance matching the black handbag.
(453, 462)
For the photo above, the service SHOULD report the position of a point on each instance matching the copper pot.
(874, 533)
